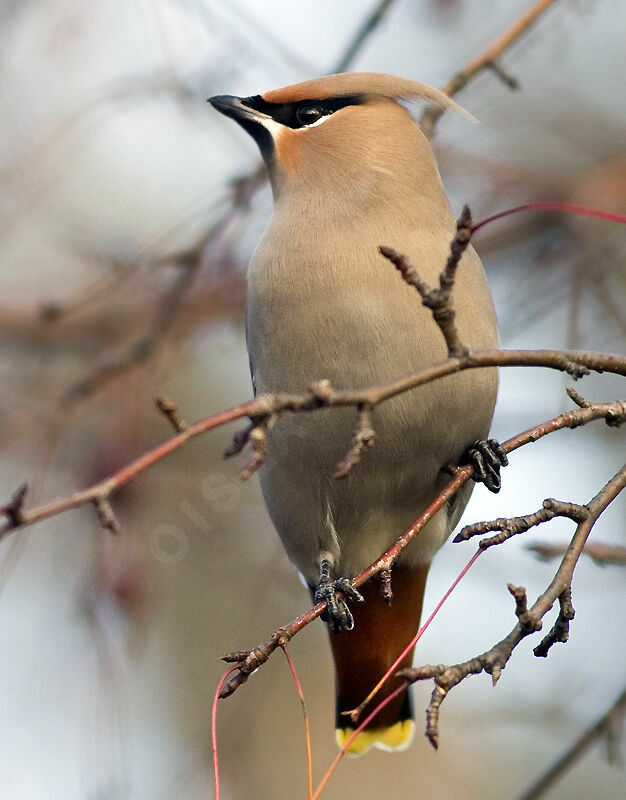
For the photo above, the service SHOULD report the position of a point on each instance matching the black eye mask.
(304, 112)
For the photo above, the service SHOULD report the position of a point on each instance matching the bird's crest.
(366, 84)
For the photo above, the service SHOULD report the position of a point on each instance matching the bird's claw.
(487, 456)
(335, 593)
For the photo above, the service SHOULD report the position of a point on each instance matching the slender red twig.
(344, 749)
(307, 731)
(216, 697)
(548, 205)
(354, 714)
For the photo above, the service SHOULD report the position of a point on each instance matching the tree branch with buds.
(263, 409)
(529, 622)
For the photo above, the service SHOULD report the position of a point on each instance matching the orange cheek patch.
(287, 145)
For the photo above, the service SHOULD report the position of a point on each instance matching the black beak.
(230, 106)
(249, 119)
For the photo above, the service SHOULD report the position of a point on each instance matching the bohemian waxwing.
(350, 170)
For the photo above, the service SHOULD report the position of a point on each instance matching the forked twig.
(495, 659)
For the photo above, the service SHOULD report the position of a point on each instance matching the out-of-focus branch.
(495, 659)
(104, 324)
(189, 262)
(245, 188)
(365, 31)
(141, 349)
(602, 554)
(606, 727)
(486, 60)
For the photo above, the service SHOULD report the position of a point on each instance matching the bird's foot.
(487, 456)
(335, 592)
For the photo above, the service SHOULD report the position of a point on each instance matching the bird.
(351, 170)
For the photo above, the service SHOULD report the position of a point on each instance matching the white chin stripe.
(270, 125)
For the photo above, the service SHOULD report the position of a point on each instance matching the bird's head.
(339, 133)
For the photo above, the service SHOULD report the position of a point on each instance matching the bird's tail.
(364, 654)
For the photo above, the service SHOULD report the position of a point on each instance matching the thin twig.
(560, 629)
(305, 715)
(13, 510)
(495, 659)
(602, 554)
(439, 301)
(511, 526)
(267, 405)
(355, 713)
(488, 59)
(216, 771)
(365, 31)
(337, 760)
(143, 349)
(106, 515)
(170, 411)
(605, 726)
(363, 438)
(550, 205)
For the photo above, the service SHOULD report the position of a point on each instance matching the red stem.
(549, 205)
(307, 732)
(216, 773)
(344, 749)
(416, 638)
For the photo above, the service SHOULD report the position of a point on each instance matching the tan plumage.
(323, 303)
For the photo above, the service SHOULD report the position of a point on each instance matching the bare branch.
(511, 526)
(385, 586)
(143, 349)
(365, 31)
(170, 410)
(256, 435)
(439, 301)
(604, 727)
(258, 438)
(560, 629)
(488, 59)
(266, 405)
(505, 77)
(602, 554)
(106, 515)
(13, 510)
(518, 593)
(363, 438)
(495, 659)
(577, 398)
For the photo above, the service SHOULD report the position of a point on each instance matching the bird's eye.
(308, 114)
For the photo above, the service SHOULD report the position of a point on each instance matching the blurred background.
(128, 211)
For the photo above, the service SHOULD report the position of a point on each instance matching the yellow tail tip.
(395, 738)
